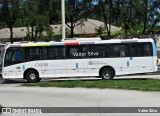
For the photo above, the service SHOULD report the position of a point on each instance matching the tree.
(9, 13)
(104, 10)
(124, 14)
(76, 13)
(144, 14)
(154, 10)
(107, 13)
(55, 11)
(37, 17)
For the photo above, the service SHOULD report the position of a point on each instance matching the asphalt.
(13, 95)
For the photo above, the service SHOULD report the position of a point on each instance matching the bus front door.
(76, 67)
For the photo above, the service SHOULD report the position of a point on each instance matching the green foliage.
(100, 31)
(76, 13)
(119, 33)
(38, 19)
(9, 12)
(2, 24)
(135, 17)
(55, 11)
(68, 32)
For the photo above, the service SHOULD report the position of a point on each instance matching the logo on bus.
(41, 64)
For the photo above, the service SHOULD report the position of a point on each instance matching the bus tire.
(107, 74)
(32, 77)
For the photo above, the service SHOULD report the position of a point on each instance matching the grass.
(142, 85)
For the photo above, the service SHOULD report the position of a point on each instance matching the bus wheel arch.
(107, 70)
(31, 75)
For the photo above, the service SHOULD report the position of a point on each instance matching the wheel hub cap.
(106, 75)
(32, 76)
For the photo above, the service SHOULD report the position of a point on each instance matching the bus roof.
(68, 43)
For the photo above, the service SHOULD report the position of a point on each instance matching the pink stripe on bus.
(71, 43)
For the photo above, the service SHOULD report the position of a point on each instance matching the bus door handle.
(131, 58)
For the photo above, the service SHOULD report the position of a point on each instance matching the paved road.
(13, 95)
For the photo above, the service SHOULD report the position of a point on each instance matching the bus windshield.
(1, 56)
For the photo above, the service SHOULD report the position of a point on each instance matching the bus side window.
(124, 50)
(55, 53)
(122, 53)
(8, 56)
(18, 56)
(114, 50)
(34, 54)
(133, 50)
(119, 50)
(148, 49)
(141, 49)
(43, 52)
(98, 51)
(13, 56)
(74, 52)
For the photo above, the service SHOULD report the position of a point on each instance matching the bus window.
(77, 52)
(18, 56)
(148, 49)
(55, 53)
(114, 50)
(43, 52)
(34, 54)
(119, 50)
(141, 49)
(13, 56)
(124, 50)
(98, 51)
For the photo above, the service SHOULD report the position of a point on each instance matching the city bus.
(101, 58)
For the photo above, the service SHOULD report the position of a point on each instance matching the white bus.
(105, 59)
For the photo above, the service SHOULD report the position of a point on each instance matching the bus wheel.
(32, 77)
(107, 74)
